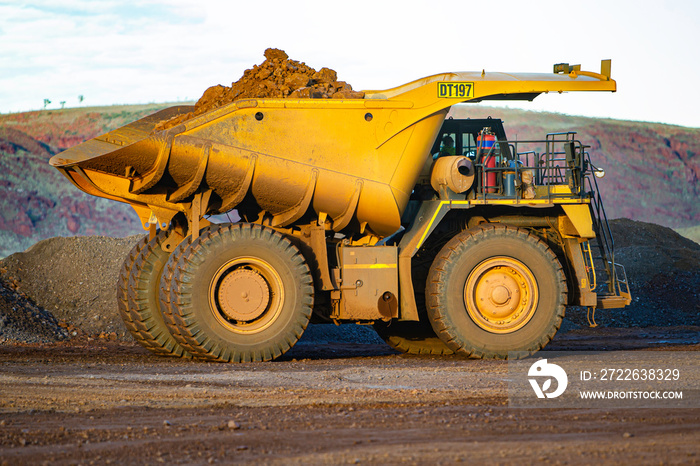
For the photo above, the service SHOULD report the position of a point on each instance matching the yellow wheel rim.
(501, 295)
(246, 295)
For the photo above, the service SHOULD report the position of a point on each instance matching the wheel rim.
(501, 295)
(246, 295)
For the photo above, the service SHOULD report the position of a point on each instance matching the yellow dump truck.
(442, 233)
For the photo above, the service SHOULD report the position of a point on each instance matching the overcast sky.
(123, 52)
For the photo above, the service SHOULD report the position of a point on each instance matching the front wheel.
(496, 292)
(240, 293)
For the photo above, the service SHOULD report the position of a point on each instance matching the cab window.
(468, 145)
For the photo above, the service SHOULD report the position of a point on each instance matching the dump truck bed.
(354, 162)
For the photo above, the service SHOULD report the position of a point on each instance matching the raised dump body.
(354, 160)
(483, 262)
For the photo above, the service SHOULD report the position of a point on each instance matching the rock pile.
(22, 321)
(74, 279)
(277, 77)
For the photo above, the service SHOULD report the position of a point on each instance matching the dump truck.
(442, 233)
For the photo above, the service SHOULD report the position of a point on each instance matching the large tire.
(171, 319)
(240, 293)
(123, 286)
(496, 292)
(412, 337)
(138, 297)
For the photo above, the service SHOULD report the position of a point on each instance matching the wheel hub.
(243, 295)
(501, 295)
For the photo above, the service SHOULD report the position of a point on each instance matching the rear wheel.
(240, 293)
(496, 292)
(123, 285)
(139, 303)
(166, 279)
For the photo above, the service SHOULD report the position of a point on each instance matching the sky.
(131, 52)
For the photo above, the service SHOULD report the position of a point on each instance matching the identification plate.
(455, 90)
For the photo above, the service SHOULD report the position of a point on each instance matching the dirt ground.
(99, 402)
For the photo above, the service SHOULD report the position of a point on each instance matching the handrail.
(618, 284)
(550, 167)
(590, 266)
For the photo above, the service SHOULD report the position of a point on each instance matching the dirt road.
(100, 402)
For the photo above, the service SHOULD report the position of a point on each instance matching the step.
(613, 301)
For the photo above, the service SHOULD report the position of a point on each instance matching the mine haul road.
(95, 402)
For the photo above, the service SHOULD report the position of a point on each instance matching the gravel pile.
(74, 279)
(276, 77)
(66, 286)
(663, 270)
(22, 321)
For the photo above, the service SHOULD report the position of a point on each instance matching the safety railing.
(548, 165)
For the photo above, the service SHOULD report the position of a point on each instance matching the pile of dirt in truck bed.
(74, 279)
(276, 77)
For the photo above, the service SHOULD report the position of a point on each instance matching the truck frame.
(442, 233)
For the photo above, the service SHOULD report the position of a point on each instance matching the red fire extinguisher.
(485, 143)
